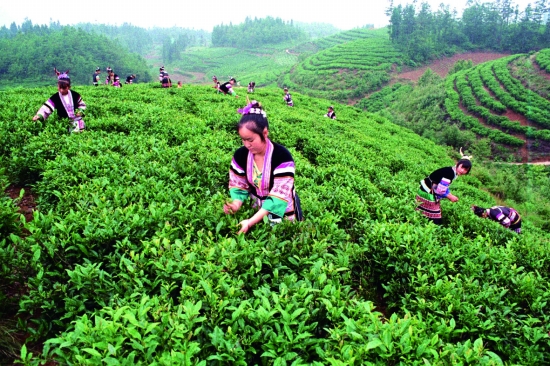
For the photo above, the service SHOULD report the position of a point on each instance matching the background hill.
(129, 256)
(28, 58)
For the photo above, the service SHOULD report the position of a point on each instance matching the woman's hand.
(452, 197)
(245, 226)
(232, 207)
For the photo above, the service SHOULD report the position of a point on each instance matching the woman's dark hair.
(255, 120)
(478, 210)
(466, 164)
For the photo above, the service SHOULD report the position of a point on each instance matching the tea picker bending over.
(506, 216)
(262, 170)
(435, 187)
(130, 79)
(227, 87)
(117, 83)
(67, 102)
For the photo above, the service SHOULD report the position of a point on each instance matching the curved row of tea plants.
(481, 94)
(452, 103)
(341, 38)
(469, 101)
(346, 70)
(534, 114)
(516, 88)
(543, 59)
(129, 258)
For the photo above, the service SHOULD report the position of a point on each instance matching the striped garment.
(432, 189)
(429, 206)
(507, 217)
(66, 107)
(275, 190)
(288, 100)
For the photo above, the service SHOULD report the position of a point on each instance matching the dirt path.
(187, 77)
(442, 66)
(540, 71)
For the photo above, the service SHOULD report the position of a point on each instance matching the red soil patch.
(533, 152)
(187, 77)
(27, 203)
(442, 66)
(516, 117)
(540, 71)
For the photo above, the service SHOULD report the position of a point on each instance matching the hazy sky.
(205, 14)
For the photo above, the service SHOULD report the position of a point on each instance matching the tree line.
(32, 53)
(500, 25)
(256, 32)
(174, 40)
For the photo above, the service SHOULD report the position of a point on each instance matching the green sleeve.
(275, 205)
(238, 194)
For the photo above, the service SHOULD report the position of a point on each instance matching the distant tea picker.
(67, 102)
(506, 216)
(227, 87)
(435, 188)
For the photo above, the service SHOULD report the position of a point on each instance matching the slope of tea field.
(261, 65)
(129, 258)
(503, 96)
(346, 65)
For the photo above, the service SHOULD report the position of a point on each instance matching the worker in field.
(116, 82)
(95, 76)
(130, 79)
(262, 170)
(110, 76)
(288, 98)
(506, 216)
(161, 73)
(166, 81)
(227, 87)
(216, 83)
(435, 188)
(67, 102)
(251, 86)
(330, 114)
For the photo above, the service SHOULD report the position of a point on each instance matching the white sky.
(205, 14)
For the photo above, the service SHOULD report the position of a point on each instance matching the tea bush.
(130, 259)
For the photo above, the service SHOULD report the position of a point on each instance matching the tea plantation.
(130, 260)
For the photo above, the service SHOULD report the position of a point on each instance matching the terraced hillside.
(505, 100)
(499, 107)
(347, 65)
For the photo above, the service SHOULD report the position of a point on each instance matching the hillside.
(339, 67)
(502, 100)
(129, 258)
(29, 58)
(262, 65)
(348, 65)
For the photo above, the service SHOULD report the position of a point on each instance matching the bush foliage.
(129, 258)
